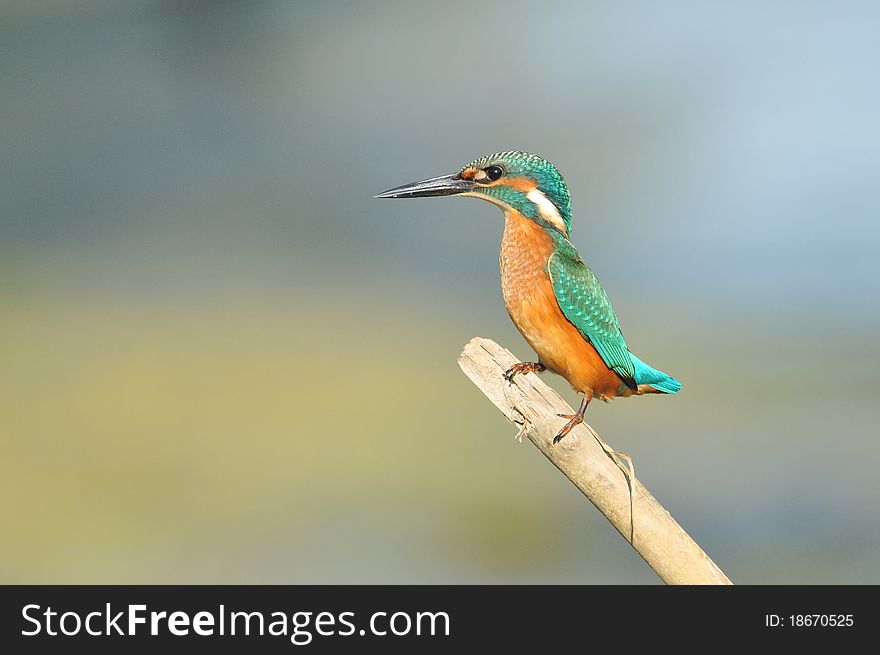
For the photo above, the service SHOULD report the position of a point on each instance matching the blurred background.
(224, 362)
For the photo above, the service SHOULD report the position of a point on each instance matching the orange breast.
(531, 303)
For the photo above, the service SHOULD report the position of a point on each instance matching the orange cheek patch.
(523, 184)
(468, 173)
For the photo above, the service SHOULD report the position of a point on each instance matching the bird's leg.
(523, 367)
(573, 419)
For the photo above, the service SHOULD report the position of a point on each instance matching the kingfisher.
(552, 296)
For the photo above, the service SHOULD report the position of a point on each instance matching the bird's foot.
(573, 420)
(523, 367)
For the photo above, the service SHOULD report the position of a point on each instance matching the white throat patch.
(547, 209)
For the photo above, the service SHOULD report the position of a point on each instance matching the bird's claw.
(573, 420)
(522, 367)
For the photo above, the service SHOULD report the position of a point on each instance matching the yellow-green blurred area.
(224, 361)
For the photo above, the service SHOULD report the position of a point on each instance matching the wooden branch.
(533, 407)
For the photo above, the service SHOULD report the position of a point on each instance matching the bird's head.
(515, 181)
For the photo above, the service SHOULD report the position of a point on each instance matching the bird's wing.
(585, 303)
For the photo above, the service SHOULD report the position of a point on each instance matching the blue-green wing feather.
(584, 302)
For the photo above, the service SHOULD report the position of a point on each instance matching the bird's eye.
(494, 173)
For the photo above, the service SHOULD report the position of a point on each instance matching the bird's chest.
(525, 250)
(525, 284)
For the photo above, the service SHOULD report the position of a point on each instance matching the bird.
(551, 295)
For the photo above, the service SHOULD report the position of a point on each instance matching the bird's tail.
(658, 380)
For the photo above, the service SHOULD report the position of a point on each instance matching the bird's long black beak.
(446, 185)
